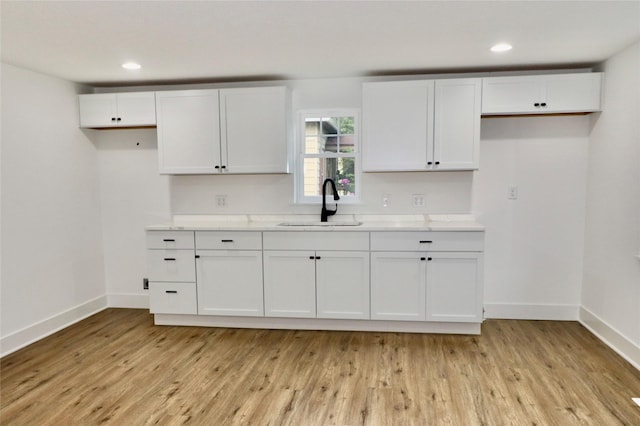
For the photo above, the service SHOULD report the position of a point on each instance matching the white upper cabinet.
(253, 123)
(135, 109)
(421, 125)
(542, 94)
(223, 131)
(397, 122)
(188, 131)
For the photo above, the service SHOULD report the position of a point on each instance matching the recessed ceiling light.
(131, 66)
(501, 47)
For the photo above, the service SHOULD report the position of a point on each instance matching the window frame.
(300, 140)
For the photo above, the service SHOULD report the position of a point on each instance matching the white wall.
(533, 252)
(133, 195)
(611, 289)
(52, 261)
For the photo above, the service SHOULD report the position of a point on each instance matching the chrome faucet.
(326, 213)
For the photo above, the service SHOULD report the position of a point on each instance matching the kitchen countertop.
(273, 223)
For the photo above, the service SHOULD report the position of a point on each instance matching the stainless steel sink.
(350, 223)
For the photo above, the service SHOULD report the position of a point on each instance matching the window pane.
(346, 125)
(347, 144)
(330, 125)
(341, 170)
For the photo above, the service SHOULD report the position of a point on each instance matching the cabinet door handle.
(217, 167)
(425, 241)
(537, 105)
(197, 256)
(429, 163)
(312, 257)
(170, 258)
(543, 104)
(169, 241)
(437, 163)
(318, 257)
(118, 119)
(429, 258)
(224, 167)
(422, 258)
(226, 241)
(171, 291)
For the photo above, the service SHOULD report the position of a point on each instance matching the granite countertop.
(307, 223)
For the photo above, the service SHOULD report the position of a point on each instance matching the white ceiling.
(181, 41)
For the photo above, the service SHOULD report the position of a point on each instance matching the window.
(328, 147)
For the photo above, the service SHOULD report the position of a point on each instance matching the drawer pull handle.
(171, 291)
(227, 241)
(429, 258)
(425, 241)
(422, 258)
(169, 241)
(170, 258)
(312, 257)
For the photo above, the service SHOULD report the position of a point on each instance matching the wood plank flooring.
(117, 368)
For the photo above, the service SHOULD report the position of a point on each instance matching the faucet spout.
(324, 215)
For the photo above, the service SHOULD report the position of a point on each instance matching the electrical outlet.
(417, 200)
(145, 283)
(512, 193)
(221, 200)
(386, 198)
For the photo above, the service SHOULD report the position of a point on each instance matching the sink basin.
(351, 223)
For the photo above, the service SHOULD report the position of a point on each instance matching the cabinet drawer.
(427, 241)
(171, 265)
(169, 239)
(228, 240)
(172, 298)
(333, 240)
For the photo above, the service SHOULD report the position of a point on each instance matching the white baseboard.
(611, 337)
(133, 301)
(33, 333)
(531, 311)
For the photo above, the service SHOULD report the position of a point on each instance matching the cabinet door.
(188, 131)
(397, 125)
(398, 286)
(454, 287)
(229, 282)
(456, 140)
(254, 129)
(511, 95)
(136, 109)
(342, 284)
(289, 284)
(98, 110)
(573, 92)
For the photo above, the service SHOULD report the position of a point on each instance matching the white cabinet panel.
(170, 240)
(289, 284)
(132, 109)
(316, 240)
(254, 129)
(542, 94)
(342, 283)
(454, 287)
(229, 240)
(456, 141)
(188, 131)
(172, 298)
(427, 241)
(229, 282)
(171, 265)
(398, 286)
(397, 125)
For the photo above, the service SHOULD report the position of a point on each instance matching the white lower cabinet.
(454, 287)
(397, 286)
(426, 277)
(425, 285)
(342, 284)
(290, 284)
(229, 282)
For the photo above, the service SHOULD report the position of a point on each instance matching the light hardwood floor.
(117, 368)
